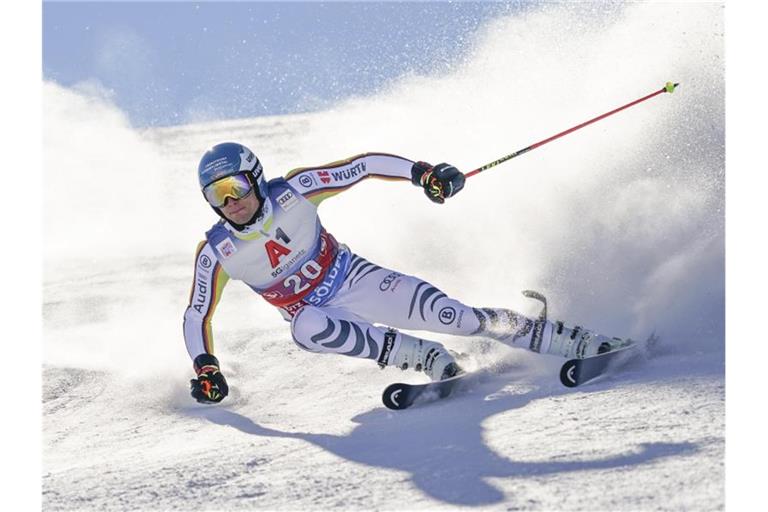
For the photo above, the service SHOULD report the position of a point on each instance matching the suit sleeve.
(207, 287)
(319, 183)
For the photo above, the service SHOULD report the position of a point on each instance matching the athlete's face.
(241, 210)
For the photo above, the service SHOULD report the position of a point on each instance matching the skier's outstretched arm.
(319, 183)
(210, 386)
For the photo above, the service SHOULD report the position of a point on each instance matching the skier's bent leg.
(332, 331)
(384, 296)
(542, 336)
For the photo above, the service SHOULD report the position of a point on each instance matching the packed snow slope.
(620, 224)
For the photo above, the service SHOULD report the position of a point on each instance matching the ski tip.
(394, 397)
(670, 87)
(569, 374)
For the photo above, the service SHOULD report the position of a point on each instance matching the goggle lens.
(234, 187)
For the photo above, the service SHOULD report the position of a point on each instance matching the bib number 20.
(302, 280)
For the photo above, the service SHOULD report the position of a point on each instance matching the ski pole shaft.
(669, 87)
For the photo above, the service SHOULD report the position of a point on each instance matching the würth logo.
(324, 176)
(350, 172)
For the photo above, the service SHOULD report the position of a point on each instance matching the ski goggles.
(235, 187)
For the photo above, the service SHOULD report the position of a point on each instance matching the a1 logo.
(275, 250)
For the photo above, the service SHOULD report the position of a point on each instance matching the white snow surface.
(620, 224)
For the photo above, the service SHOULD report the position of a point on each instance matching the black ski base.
(401, 396)
(576, 372)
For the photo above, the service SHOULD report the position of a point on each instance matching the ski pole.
(669, 87)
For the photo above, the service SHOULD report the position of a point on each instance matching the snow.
(619, 224)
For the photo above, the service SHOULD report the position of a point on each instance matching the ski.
(576, 372)
(400, 396)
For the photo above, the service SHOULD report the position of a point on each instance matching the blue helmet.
(230, 158)
(227, 159)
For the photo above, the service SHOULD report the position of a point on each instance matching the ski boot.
(571, 343)
(578, 343)
(428, 356)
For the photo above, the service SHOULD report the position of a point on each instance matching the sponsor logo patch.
(287, 200)
(538, 333)
(202, 293)
(226, 248)
(349, 172)
(205, 261)
(324, 176)
(272, 295)
(306, 181)
(447, 315)
(388, 280)
(332, 280)
(389, 343)
(295, 308)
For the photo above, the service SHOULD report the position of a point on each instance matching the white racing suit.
(336, 301)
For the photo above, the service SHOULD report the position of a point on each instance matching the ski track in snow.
(631, 441)
(620, 225)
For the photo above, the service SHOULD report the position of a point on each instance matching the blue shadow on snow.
(444, 452)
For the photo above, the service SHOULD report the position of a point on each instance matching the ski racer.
(270, 237)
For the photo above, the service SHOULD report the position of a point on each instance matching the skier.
(271, 238)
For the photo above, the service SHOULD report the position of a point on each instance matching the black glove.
(439, 182)
(210, 386)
